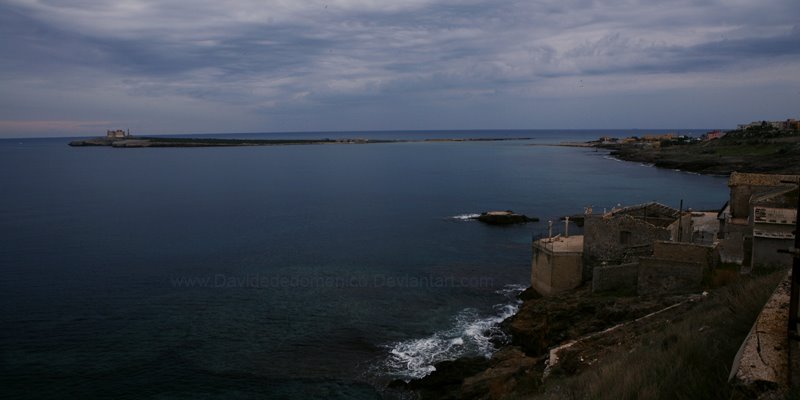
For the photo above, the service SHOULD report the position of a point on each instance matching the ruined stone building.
(626, 233)
(616, 242)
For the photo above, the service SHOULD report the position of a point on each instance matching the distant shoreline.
(755, 150)
(144, 141)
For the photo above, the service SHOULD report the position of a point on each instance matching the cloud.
(274, 63)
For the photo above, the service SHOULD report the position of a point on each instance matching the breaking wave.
(471, 334)
(465, 217)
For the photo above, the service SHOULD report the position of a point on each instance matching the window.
(624, 237)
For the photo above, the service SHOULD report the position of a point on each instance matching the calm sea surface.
(318, 271)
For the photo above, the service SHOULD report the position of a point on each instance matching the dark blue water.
(278, 272)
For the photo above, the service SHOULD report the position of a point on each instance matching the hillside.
(758, 150)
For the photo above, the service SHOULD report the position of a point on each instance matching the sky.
(79, 67)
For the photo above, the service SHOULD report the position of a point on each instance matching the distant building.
(788, 125)
(117, 134)
(712, 135)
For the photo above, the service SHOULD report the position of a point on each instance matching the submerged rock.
(504, 218)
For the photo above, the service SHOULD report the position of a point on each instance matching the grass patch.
(686, 358)
(751, 150)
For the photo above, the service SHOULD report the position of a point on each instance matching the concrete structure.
(556, 265)
(773, 223)
(752, 239)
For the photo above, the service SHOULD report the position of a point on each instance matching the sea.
(283, 272)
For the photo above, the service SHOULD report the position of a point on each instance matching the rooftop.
(560, 244)
(652, 212)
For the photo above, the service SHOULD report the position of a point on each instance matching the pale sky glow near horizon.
(79, 67)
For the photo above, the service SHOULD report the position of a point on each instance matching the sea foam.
(471, 334)
(465, 217)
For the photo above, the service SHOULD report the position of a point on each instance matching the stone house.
(626, 233)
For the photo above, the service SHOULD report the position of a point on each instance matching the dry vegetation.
(686, 357)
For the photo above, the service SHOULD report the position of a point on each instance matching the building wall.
(555, 273)
(603, 239)
(541, 270)
(567, 272)
(689, 252)
(765, 252)
(740, 201)
(660, 276)
(615, 277)
(682, 228)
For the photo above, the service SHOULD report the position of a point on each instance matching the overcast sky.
(71, 67)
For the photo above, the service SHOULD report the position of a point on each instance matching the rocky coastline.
(589, 328)
(519, 365)
(751, 150)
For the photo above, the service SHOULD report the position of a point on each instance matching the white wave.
(646, 164)
(465, 217)
(612, 158)
(470, 335)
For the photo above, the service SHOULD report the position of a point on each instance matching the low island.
(123, 139)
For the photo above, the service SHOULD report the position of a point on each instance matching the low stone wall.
(660, 276)
(690, 252)
(615, 277)
(761, 367)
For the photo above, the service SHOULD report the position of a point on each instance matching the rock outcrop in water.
(507, 217)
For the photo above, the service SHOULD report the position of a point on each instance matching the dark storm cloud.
(273, 59)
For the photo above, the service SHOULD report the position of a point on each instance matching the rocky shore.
(541, 323)
(609, 346)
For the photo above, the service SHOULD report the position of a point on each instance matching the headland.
(767, 147)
